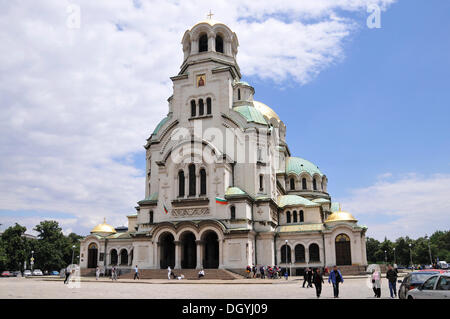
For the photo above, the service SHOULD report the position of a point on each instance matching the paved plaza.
(37, 288)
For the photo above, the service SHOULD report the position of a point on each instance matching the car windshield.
(421, 277)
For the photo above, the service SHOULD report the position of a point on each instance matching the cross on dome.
(210, 14)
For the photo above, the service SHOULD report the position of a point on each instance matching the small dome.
(297, 165)
(104, 228)
(341, 217)
(211, 22)
(266, 110)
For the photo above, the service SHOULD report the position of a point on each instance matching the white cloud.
(77, 104)
(410, 205)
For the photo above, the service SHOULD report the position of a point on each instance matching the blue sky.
(368, 106)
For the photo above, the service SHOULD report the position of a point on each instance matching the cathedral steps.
(352, 270)
(191, 274)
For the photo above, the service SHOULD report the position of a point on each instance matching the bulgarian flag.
(221, 201)
(165, 209)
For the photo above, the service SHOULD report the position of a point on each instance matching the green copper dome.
(160, 124)
(251, 114)
(295, 200)
(299, 165)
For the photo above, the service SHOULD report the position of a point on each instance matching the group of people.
(315, 277)
(391, 276)
(270, 272)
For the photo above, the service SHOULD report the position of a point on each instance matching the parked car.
(414, 280)
(435, 287)
(6, 273)
(17, 273)
(37, 272)
(27, 273)
(54, 273)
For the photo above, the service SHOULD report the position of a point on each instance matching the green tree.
(15, 246)
(372, 246)
(51, 246)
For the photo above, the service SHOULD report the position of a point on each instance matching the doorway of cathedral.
(167, 251)
(92, 255)
(343, 250)
(211, 250)
(188, 251)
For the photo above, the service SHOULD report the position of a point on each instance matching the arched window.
(124, 257)
(151, 217)
(299, 253)
(285, 252)
(314, 255)
(200, 107)
(202, 182)
(302, 216)
(219, 44)
(304, 183)
(181, 184)
(261, 182)
(114, 257)
(193, 108)
(239, 94)
(233, 213)
(208, 105)
(295, 216)
(288, 217)
(203, 43)
(292, 182)
(192, 177)
(314, 184)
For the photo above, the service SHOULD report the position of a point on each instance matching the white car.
(37, 272)
(435, 287)
(27, 273)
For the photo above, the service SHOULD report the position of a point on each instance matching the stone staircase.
(352, 270)
(190, 274)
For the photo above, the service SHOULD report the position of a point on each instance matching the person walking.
(254, 271)
(114, 273)
(66, 280)
(335, 278)
(376, 283)
(309, 277)
(305, 277)
(318, 281)
(169, 272)
(391, 276)
(97, 273)
(261, 270)
(136, 273)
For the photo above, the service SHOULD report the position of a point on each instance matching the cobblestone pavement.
(42, 288)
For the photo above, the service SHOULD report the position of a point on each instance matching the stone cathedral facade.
(222, 188)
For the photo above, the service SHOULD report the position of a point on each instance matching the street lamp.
(394, 257)
(32, 260)
(73, 251)
(385, 257)
(286, 242)
(429, 249)
(410, 255)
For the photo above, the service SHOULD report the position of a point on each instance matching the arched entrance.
(211, 250)
(188, 250)
(92, 255)
(343, 250)
(167, 251)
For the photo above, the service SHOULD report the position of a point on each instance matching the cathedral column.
(199, 254)
(211, 43)
(156, 255)
(221, 265)
(177, 254)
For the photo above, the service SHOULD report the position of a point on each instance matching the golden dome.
(266, 111)
(103, 228)
(341, 217)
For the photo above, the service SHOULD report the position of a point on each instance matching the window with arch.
(303, 183)
(314, 184)
(203, 43)
(181, 183)
(239, 94)
(314, 254)
(294, 214)
(288, 217)
(302, 216)
(292, 183)
(208, 106)
(150, 221)
(285, 254)
(124, 257)
(300, 253)
(219, 44)
(192, 184)
(202, 181)
(201, 107)
(261, 182)
(232, 212)
(114, 258)
(193, 108)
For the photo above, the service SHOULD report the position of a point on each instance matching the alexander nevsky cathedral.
(222, 189)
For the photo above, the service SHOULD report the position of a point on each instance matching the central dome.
(103, 229)
(266, 111)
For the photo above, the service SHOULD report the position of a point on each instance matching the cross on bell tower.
(210, 14)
